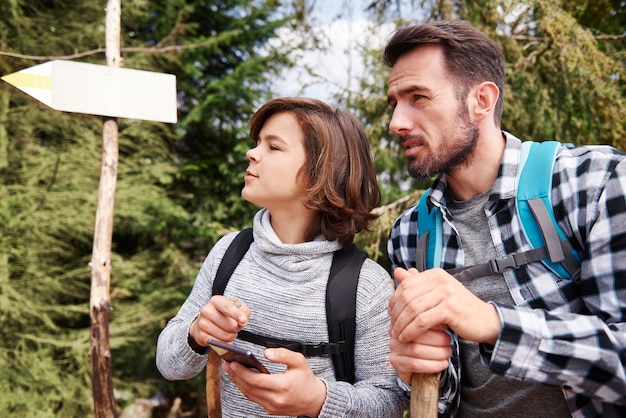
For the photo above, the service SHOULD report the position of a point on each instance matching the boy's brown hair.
(338, 175)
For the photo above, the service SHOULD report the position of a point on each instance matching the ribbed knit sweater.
(284, 285)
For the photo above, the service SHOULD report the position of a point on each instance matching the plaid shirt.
(561, 332)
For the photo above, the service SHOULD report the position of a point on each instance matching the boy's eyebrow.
(271, 137)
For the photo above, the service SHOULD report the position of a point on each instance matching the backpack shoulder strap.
(341, 308)
(340, 304)
(430, 241)
(535, 210)
(233, 255)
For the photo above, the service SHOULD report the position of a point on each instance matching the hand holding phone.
(229, 352)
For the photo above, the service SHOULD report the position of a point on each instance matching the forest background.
(179, 185)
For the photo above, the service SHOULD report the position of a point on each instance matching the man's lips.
(411, 146)
(410, 142)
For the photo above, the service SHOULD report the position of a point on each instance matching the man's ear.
(482, 100)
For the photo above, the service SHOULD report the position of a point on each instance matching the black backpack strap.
(341, 308)
(308, 350)
(340, 305)
(233, 255)
(341, 290)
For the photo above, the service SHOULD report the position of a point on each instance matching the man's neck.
(479, 173)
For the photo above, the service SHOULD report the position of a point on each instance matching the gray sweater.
(284, 285)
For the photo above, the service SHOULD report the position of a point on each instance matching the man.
(524, 341)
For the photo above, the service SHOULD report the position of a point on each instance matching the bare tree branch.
(151, 50)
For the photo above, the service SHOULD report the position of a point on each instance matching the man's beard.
(451, 153)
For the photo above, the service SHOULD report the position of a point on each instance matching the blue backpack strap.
(534, 208)
(535, 212)
(430, 241)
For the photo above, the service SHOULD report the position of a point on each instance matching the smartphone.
(229, 352)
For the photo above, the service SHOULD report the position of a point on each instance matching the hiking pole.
(214, 403)
(424, 386)
(424, 395)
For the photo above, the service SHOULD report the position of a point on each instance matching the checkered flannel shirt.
(560, 332)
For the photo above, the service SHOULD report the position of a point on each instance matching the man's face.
(433, 125)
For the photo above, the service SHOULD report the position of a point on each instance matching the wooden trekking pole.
(213, 401)
(424, 395)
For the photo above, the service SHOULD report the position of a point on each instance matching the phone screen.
(229, 352)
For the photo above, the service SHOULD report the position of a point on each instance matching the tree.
(564, 81)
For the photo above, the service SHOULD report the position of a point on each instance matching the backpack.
(340, 305)
(535, 213)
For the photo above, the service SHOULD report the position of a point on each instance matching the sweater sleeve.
(175, 358)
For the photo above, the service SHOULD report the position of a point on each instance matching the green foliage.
(44, 280)
(561, 83)
(219, 87)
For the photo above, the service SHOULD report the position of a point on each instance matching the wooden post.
(100, 303)
(424, 395)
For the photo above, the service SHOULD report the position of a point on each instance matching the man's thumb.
(400, 273)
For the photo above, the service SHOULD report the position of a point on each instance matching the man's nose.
(401, 122)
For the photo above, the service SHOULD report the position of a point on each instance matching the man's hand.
(434, 298)
(428, 353)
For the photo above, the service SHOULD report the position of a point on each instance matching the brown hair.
(471, 56)
(338, 174)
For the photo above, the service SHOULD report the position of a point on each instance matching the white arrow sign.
(100, 90)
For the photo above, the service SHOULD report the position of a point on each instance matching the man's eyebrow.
(405, 91)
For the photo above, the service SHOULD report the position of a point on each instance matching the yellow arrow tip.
(35, 81)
